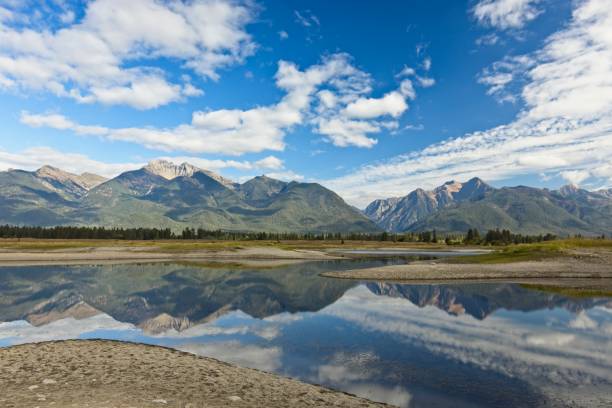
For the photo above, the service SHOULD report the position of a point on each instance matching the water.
(482, 345)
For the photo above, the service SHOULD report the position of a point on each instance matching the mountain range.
(165, 195)
(455, 207)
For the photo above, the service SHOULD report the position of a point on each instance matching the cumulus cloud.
(566, 123)
(363, 115)
(393, 104)
(103, 56)
(575, 176)
(344, 132)
(270, 162)
(506, 14)
(331, 96)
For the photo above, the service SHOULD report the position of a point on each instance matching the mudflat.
(97, 373)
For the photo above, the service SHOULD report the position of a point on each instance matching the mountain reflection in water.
(409, 345)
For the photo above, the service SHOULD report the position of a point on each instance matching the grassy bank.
(575, 292)
(511, 253)
(535, 252)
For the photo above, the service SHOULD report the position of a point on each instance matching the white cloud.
(306, 18)
(35, 157)
(270, 162)
(566, 123)
(286, 175)
(283, 35)
(86, 60)
(501, 74)
(328, 96)
(405, 72)
(362, 115)
(393, 104)
(575, 176)
(343, 132)
(267, 163)
(406, 86)
(5, 14)
(506, 14)
(488, 39)
(426, 82)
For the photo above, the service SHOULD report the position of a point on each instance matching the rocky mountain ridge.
(166, 195)
(455, 207)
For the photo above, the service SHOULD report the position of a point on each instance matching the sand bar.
(252, 256)
(99, 373)
(431, 271)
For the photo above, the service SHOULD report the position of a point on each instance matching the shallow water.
(482, 345)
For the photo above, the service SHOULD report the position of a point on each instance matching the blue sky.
(371, 99)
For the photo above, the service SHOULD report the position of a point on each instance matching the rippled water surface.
(501, 345)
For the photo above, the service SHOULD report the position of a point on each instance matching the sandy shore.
(252, 256)
(562, 268)
(96, 373)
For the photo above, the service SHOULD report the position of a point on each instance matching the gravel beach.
(97, 373)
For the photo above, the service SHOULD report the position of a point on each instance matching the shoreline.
(565, 268)
(102, 373)
(250, 256)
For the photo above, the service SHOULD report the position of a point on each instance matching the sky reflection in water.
(409, 345)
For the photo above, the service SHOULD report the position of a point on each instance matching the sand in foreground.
(97, 373)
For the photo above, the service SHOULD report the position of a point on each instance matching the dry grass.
(575, 292)
(194, 245)
(535, 252)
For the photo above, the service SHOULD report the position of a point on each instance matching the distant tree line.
(472, 237)
(503, 237)
(137, 234)
(69, 232)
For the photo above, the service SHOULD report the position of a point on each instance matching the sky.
(370, 99)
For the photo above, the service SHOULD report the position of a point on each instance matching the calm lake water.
(485, 345)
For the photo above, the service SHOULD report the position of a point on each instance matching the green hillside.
(164, 196)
